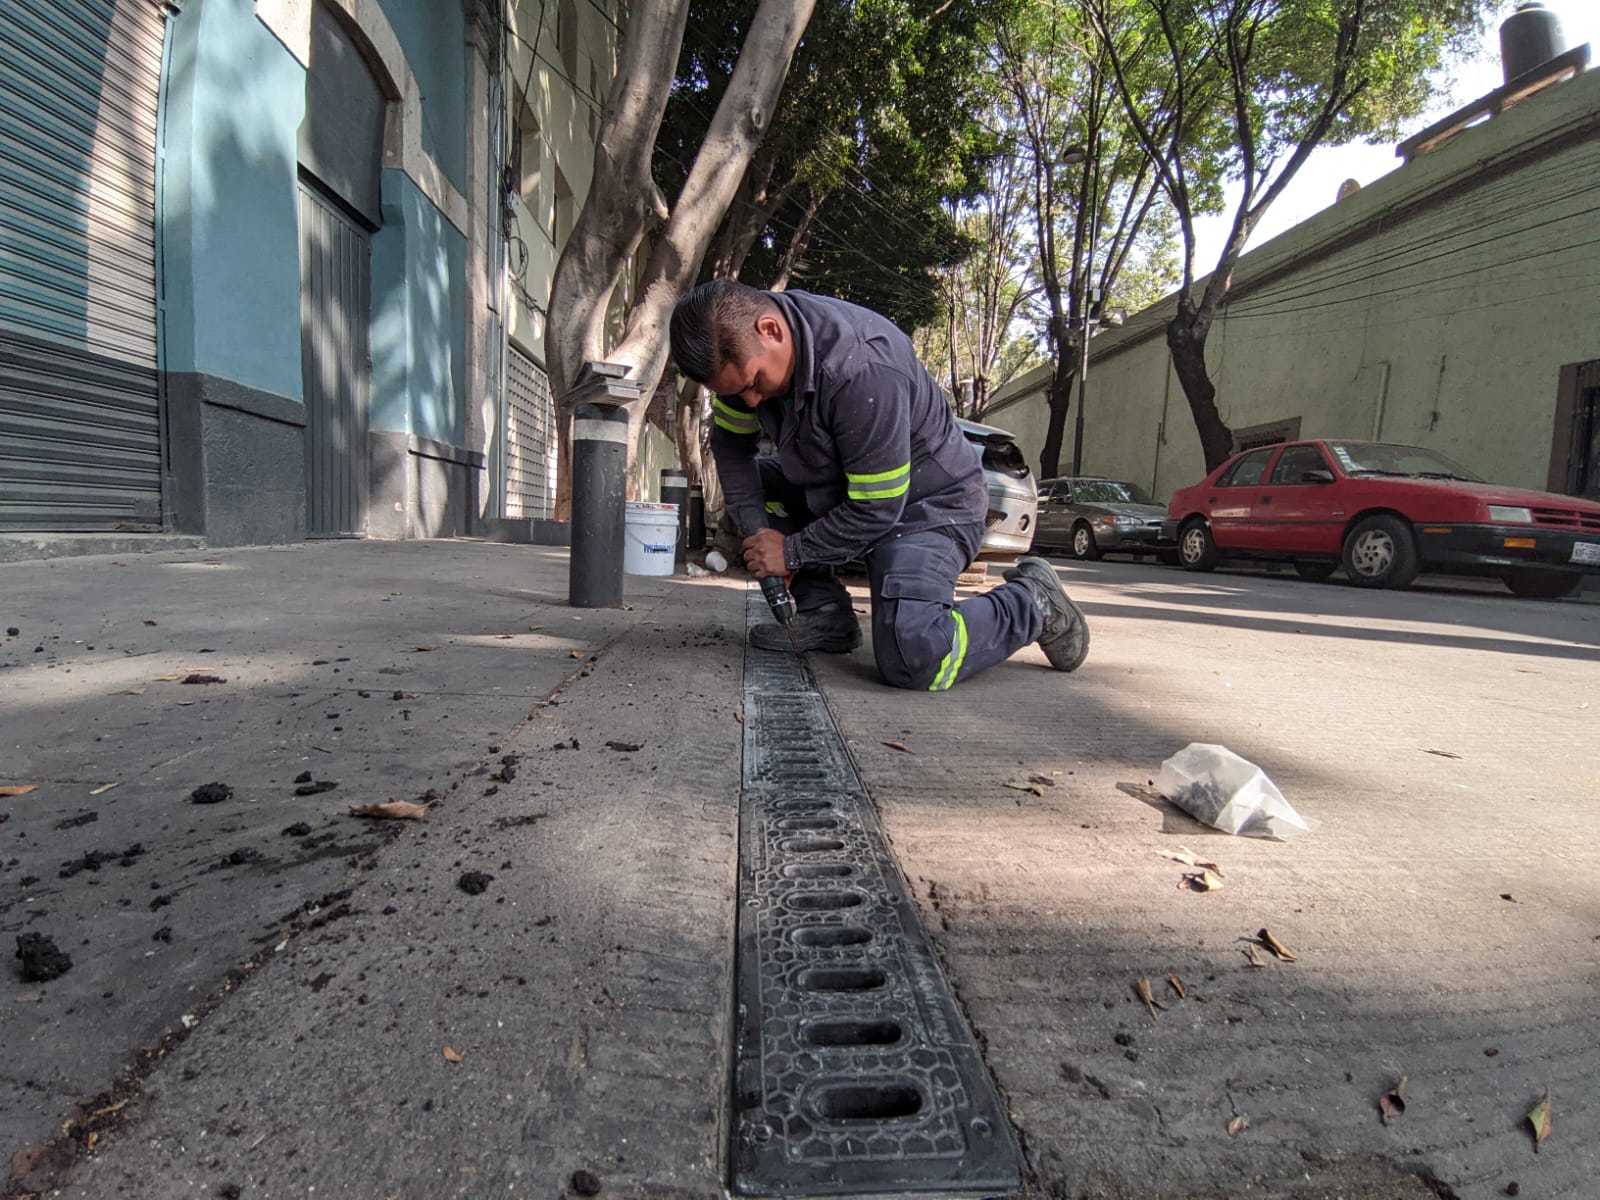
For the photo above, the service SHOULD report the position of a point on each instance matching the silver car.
(1013, 495)
(1089, 515)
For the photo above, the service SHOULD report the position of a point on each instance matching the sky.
(1316, 184)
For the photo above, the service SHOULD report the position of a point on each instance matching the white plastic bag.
(1214, 785)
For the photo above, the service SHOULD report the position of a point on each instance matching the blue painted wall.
(418, 317)
(433, 36)
(230, 233)
(230, 229)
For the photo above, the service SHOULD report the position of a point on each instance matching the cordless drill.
(782, 605)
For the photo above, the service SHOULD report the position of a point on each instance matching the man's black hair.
(714, 324)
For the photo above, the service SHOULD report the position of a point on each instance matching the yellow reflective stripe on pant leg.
(951, 666)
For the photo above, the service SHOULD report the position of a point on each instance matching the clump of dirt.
(83, 818)
(298, 829)
(518, 822)
(210, 793)
(42, 959)
(474, 883)
(315, 787)
(201, 677)
(585, 1183)
(95, 859)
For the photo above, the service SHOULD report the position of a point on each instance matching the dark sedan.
(1089, 515)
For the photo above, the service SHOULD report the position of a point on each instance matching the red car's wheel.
(1381, 552)
(1196, 550)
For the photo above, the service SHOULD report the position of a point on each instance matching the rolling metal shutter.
(530, 439)
(80, 419)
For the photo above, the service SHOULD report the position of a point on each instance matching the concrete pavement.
(1436, 737)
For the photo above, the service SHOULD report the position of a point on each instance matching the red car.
(1383, 512)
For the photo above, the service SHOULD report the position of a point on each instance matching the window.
(1295, 461)
(1248, 470)
(528, 157)
(565, 215)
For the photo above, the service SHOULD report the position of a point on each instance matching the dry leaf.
(535, 628)
(901, 746)
(17, 789)
(1177, 986)
(1046, 780)
(1237, 1126)
(183, 703)
(451, 1054)
(1254, 955)
(425, 649)
(505, 637)
(28, 998)
(104, 787)
(1142, 987)
(1187, 857)
(132, 692)
(1441, 753)
(738, 715)
(1201, 881)
(1277, 947)
(1539, 1118)
(1023, 785)
(393, 810)
(1392, 1103)
(576, 654)
(168, 678)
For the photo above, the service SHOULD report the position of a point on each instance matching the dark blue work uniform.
(871, 465)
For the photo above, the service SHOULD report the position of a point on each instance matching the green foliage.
(873, 135)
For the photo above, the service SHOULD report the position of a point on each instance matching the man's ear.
(772, 328)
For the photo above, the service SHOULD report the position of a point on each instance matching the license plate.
(1586, 552)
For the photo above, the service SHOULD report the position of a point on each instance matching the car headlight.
(1128, 522)
(1510, 514)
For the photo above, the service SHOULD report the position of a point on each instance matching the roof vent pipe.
(1529, 38)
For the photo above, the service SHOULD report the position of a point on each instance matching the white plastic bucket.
(650, 538)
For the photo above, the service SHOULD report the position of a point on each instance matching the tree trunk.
(622, 196)
(1188, 349)
(688, 426)
(1060, 400)
(798, 241)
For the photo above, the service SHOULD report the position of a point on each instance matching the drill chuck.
(778, 599)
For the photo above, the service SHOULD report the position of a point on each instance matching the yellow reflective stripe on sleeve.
(951, 666)
(734, 420)
(891, 484)
(776, 508)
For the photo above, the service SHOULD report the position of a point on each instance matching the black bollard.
(599, 485)
(675, 490)
(695, 538)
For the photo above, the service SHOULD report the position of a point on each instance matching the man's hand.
(763, 554)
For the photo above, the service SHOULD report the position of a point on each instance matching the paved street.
(365, 1027)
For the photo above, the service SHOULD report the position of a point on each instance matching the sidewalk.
(400, 671)
(1443, 911)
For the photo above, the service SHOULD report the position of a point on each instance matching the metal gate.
(335, 307)
(80, 416)
(530, 439)
(1583, 472)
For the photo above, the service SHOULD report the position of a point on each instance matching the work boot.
(1065, 640)
(833, 629)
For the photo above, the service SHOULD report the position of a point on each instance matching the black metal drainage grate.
(854, 1072)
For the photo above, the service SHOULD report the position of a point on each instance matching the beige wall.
(1436, 306)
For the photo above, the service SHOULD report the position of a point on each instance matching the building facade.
(1452, 304)
(276, 269)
